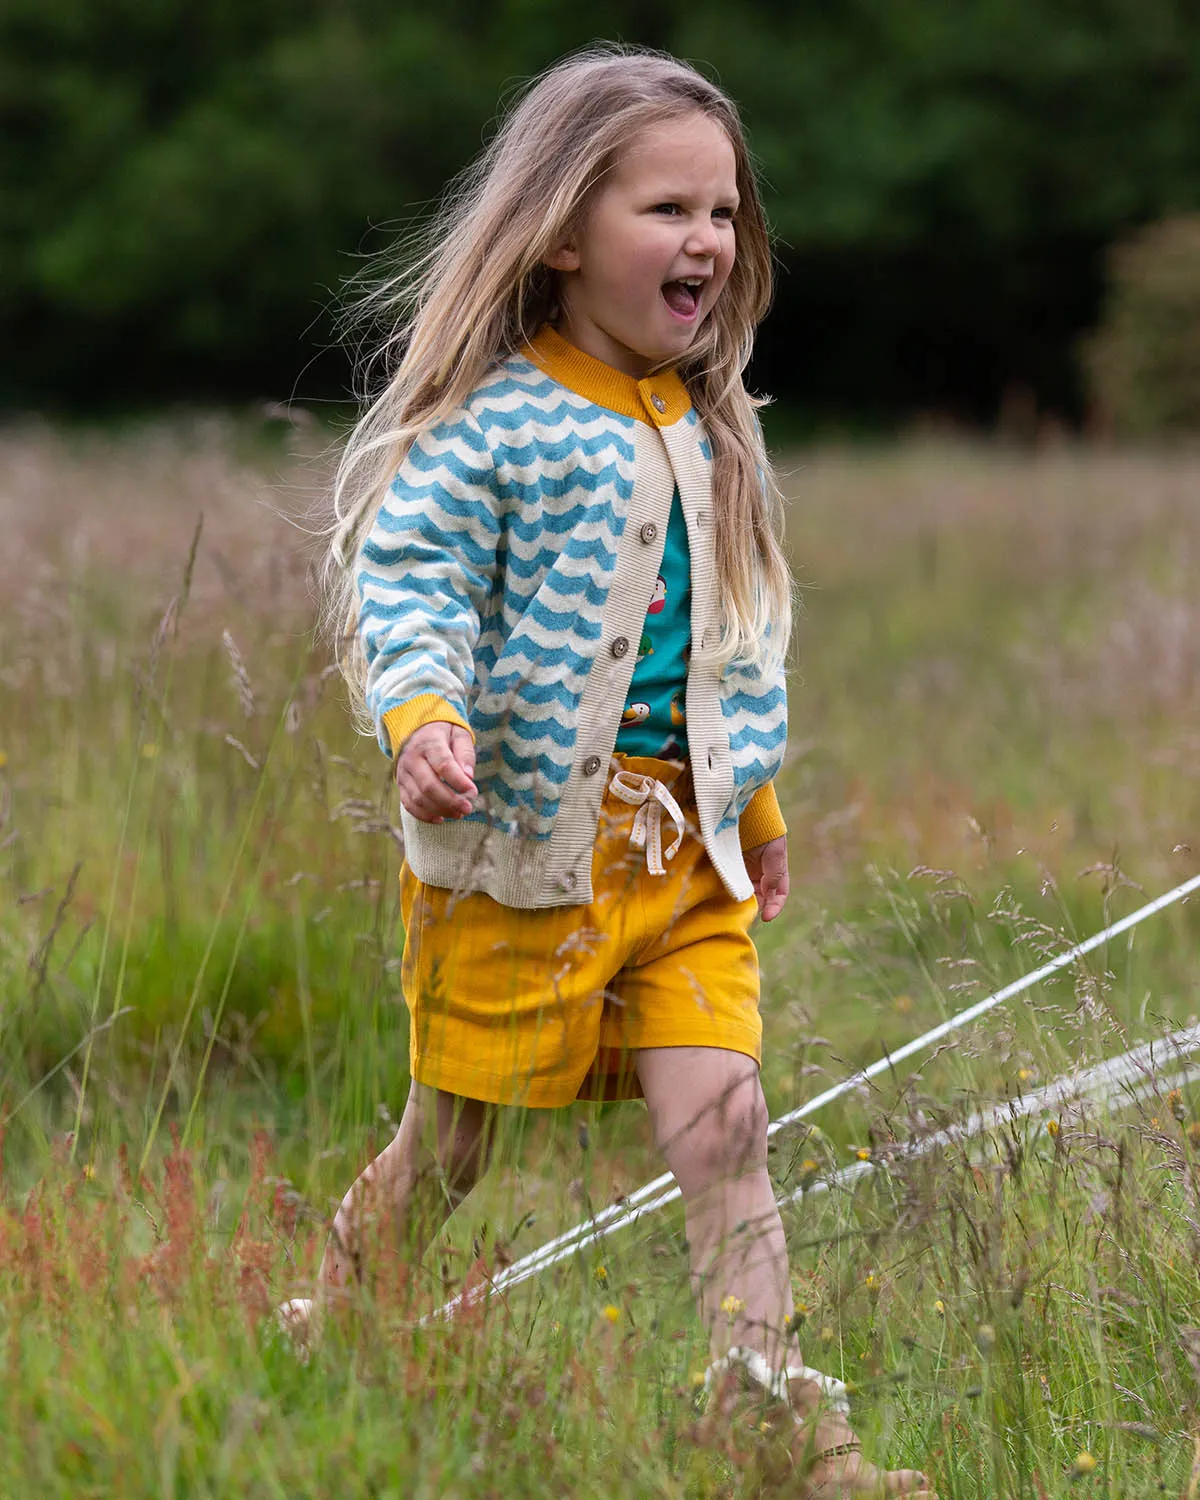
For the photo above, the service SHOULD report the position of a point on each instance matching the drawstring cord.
(652, 799)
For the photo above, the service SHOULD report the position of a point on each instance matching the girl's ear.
(562, 257)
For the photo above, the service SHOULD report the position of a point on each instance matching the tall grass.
(995, 726)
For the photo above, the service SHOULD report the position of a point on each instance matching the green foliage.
(198, 936)
(1145, 359)
(187, 188)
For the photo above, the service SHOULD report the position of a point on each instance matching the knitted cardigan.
(504, 587)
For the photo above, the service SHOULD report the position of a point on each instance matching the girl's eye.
(723, 213)
(667, 208)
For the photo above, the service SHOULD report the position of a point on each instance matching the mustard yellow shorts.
(541, 1007)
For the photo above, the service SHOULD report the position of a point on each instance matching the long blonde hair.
(475, 288)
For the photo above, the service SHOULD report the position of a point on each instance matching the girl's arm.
(426, 572)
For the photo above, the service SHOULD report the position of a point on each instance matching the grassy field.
(995, 746)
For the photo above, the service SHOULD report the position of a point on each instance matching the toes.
(868, 1482)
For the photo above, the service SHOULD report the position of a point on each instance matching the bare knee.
(724, 1139)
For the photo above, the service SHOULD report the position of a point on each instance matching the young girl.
(559, 546)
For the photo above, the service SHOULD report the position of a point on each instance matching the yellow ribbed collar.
(660, 399)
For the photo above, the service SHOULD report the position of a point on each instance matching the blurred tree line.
(186, 187)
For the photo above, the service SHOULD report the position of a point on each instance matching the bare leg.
(710, 1122)
(403, 1198)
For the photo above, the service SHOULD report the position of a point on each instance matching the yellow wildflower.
(3, 760)
(600, 1276)
(1084, 1463)
(612, 1313)
(731, 1306)
(149, 750)
(1052, 1128)
(863, 1153)
(939, 1307)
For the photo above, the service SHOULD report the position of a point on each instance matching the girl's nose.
(703, 240)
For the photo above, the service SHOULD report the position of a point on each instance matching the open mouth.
(683, 296)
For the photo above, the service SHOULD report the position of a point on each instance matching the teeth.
(692, 280)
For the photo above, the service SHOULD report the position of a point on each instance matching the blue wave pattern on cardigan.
(484, 581)
(485, 577)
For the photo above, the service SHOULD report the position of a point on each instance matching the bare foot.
(839, 1475)
(800, 1449)
(826, 1451)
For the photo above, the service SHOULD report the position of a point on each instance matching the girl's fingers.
(444, 765)
(431, 781)
(772, 885)
(432, 804)
(462, 747)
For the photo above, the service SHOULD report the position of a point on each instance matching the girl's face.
(654, 249)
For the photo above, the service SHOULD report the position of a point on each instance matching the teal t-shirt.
(654, 721)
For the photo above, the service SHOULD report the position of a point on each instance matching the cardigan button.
(657, 402)
(591, 765)
(568, 880)
(649, 532)
(619, 647)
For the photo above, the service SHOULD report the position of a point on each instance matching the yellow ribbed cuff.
(426, 708)
(762, 821)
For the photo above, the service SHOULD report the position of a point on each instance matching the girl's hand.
(767, 866)
(435, 771)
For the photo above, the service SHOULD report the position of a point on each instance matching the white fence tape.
(1119, 1080)
(662, 1190)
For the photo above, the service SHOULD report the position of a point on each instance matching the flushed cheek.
(721, 279)
(713, 294)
